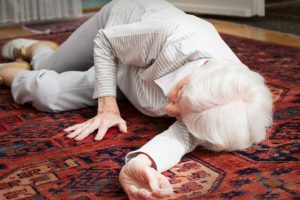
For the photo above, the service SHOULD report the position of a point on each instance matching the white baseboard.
(242, 8)
(218, 10)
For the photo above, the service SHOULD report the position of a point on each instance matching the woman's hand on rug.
(103, 121)
(140, 181)
(108, 116)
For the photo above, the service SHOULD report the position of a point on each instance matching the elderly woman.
(166, 63)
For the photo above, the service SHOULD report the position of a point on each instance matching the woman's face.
(174, 107)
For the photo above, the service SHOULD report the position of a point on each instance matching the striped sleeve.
(105, 67)
(129, 44)
(167, 148)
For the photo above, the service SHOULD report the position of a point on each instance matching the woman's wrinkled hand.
(141, 181)
(103, 121)
(108, 116)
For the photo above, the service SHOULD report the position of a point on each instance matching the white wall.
(244, 8)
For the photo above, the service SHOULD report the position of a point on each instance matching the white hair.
(226, 106)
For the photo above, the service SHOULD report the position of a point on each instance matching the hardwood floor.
(222, 26)
(256, 33)
(13, 32)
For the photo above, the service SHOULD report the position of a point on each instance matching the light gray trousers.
(62, 80)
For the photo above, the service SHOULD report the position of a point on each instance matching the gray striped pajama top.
(142, 41)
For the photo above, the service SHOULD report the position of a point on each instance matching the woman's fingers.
(101, 131)
(152, 179)
(87, 131)
(108, 123)
(103, 123)
(166, 188)
(122, 126)
(159, 184)
(165, 184)
(84, 133)
(132, 191)
(153, 183)
(144, 194)
(72, 128)
(79, 130)
(72, 135)
(89, 127)
(75, 132)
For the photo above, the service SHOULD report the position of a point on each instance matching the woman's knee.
(46, 91)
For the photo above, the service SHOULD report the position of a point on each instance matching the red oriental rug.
(37, 162)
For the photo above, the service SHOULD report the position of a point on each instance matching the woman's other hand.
(141, 181)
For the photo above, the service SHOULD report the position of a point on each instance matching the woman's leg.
(49, 91)
(76, 53)
(52, 92)
(54, 88)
